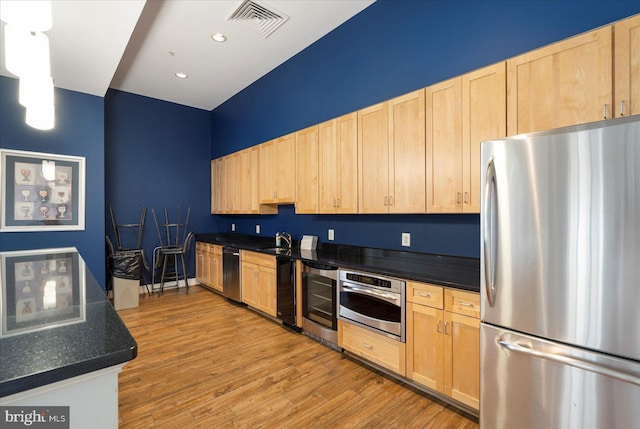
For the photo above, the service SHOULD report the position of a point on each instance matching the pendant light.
(27, 56)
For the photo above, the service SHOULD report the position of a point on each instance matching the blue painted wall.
(392, 47)
(135, 141)
(79, 131)
(157, 155)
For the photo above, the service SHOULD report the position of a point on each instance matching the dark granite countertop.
(452, 271)
(55, 321)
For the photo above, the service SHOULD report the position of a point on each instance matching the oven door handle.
(393, 299)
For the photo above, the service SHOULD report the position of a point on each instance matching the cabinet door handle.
(465, 198)
(390, 200)
(465, 304)
(446, 331)
(367, 346)
(604, 111)
(338, 202)
(621, 107)
(457, 197)
(425, 294)
(385, 201)
(334, 203)
(438, 326)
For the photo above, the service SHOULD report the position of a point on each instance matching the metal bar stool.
(172, 251)
(137, 228)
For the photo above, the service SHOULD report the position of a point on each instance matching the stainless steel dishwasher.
(231, 274)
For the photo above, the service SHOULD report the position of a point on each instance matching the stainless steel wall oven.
(319, 308)
(372, 301)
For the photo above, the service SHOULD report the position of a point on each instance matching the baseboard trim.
(167, 285)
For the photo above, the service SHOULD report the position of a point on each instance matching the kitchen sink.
(276, 250)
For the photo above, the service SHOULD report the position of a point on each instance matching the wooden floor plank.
(204, 362)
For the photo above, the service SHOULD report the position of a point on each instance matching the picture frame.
(41, 191)
(41, 289)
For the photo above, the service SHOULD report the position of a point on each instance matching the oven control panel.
(374, 280)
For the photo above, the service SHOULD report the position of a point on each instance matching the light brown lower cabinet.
(258, 277)
(215, 267)
(202, 263)
(209, 265)
(443, 341)
(376, 348)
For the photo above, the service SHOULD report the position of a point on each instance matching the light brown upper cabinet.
(391, 161)
(229, 183)
(307, 177)
(338, 175)
(461, 113)
(278, 170)
(236, 183)
(566, 83)
(627, 66)
(222, 186)
(250, 183)
(444, 146)
(216, 188)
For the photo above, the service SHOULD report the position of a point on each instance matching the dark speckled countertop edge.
(32, 381)
(449, 271)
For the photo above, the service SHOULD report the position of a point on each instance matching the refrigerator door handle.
(490, 228)
(574, 361)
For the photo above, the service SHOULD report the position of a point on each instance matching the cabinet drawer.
(374, 347)
(258, 258)
(425, 294)
(460, 302)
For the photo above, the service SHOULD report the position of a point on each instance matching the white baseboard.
(167, 285)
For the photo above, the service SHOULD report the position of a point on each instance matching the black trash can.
(127, 264)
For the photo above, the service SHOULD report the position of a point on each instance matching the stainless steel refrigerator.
(560, 278)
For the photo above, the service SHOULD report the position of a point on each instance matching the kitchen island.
(61, 341)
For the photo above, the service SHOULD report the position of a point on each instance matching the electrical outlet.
(406, 239)
(257, 229)
(331, 235)
(233, 227)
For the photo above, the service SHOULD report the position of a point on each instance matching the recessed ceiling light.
(219, 37)
(182, 75)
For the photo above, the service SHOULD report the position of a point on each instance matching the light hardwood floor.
(206, 363)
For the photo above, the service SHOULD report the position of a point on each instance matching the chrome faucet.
(283, 236)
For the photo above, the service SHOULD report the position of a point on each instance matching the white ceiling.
(137, 46)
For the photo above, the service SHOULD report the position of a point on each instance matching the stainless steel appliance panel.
(532, 383)
(231, 287)
(560, 233)
(319, 308)
(319, 292)
(373, 301)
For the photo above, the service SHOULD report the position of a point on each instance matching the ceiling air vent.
(267, 20)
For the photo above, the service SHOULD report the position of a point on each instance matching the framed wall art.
(41, 191)
(41, 289)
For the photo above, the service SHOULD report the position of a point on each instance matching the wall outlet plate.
(330, 235)
(257, 229)
(406, 239)
(233, 227)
